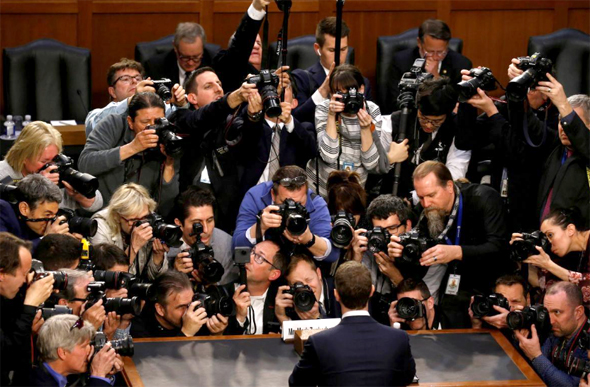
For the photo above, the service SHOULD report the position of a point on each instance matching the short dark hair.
(10, 246)
(563, 217)
(35, 189)
(191, 83)
(327, 26)
(410, 284)
(123, 64)
(572, 292)
(295, 259)
(384, 206)
(144, 100)
(435, 28)
(440, 170)
(346, 76)
(193, 196)
(289, 171)
(353, 283)
(345, 192)
(280, 261)
(106, 255)
(169, 282)
(58, 251)
(511, 280)
(436, 97)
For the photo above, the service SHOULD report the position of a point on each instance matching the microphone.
(79, 92)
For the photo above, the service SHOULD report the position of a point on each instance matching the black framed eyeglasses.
(128, 79)
(291, 181)
(393, 229)
(259, 259)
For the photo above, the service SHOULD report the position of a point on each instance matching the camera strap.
(562, 357)
(525, 127)
(259, 227)
(456, 213)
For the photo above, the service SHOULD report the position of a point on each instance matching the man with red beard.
(467, 226)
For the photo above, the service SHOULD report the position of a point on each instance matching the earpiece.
(319, 53)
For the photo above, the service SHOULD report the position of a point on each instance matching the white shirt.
(181, 74)
(352, 313)
(257, 303)
(290, 126)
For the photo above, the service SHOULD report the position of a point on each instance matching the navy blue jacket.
(10, 222)
(357, 352)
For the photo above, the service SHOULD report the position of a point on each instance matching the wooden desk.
(266, 361)
(72, 134)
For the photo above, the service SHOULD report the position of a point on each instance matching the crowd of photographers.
(203, 208)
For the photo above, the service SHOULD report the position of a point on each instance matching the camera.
(482, 78)
(8, 193)
(408, 85)
(123, 347)
(266, 83)
(167, 136)
(162, 87)
(295, 217)
(81, 182)
(114, 279)
(414, 246)
(216, 300)
(378, 240)
(535, 69)
(119, 305)
(580, 367)
(78, 224)
(210, 270)
(58, 309)
(170, 234)
(143, 291)
(60, 278)
(521, 250)
(353, 101)
(342, 229)
(410, 308)
(523, 319)
(484, 305)
(303, 296)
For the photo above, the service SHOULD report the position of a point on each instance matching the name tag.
(289, 327)
(453, 284)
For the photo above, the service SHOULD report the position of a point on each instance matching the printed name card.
(289, 327)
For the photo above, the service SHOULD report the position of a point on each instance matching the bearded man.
(467, 226)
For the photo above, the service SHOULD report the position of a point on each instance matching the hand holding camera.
(541, 260)
(530, 346)
(270, 218)
(39, 291)
(178, 96)
(359, 244)
(394, 316)
(95, 314)
(283, 300)
(159, 249)
(140, 236)
(554, 90)
(103, 362)
(51, 173)
(58, 226)
(283, 79)
(144, 140)
(243, 302)
(217, 324)
(183, 262)
(336, 105)
(241, 95)
(194, 318)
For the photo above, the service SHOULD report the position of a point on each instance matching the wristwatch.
(311, 242)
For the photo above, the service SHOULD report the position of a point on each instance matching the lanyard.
(459, 222)
(564, 157)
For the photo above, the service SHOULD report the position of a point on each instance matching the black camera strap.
(560, 356)
(259, 226)
(525, 128)
(456, 213)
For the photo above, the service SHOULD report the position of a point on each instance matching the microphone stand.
(406, 101)
(339, 6)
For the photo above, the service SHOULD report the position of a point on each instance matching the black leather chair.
(145, 50)
(48, 80)
(569, 49)
(387, 46)
(300, 53)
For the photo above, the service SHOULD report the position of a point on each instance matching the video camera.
(210, 270)
(58, 309)
(353, 100)
(123, 347)
(482, 78)
(267, 82)
(303, 297)
(410, 308)
(524, 319)
(535, 69)
(295, 217)
(167, 136)
(414, 246)
(78, 224)
(521, 250)
(408, 85)
(60, 278)
(170, 234)
(118, 305)
(162, 87)
(9, 193)
(81, 182)
(378, 240)
(484, 305)
(216, 300)
(343, 225)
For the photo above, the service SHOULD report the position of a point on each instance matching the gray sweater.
(101, 157)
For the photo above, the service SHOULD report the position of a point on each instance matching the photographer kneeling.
(414, 307)
(65, 349)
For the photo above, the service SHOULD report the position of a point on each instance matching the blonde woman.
(116, 225)
(36, 146)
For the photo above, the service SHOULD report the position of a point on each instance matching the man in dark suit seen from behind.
(433, 45)
(359, 351)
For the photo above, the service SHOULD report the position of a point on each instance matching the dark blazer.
(269, 319)
(357, 352)
(307, 82)
(41, 377)
(10, 222)
(165, 65)
(296, 148)
(402, 62)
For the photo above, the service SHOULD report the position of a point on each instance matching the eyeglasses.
(127, 79)
(393, 229)
(186, 58)
(440, 54)
(426, 121)
(133, 220)
(289, 182)
(259, 259)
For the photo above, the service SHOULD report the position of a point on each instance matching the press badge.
(347, 166)
(453, 284)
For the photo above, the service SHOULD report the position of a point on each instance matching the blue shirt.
(62, 380)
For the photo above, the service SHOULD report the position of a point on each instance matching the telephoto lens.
(409, 308)
(484, 305)
(123, 346)
(87, 227)
(216, 300)
(342, 229)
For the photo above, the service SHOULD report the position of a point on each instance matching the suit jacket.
(41, 377)
(10, 222)
(165, 65)
(357, 352)
(307, 82)
(451, 67)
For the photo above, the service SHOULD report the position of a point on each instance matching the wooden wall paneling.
(580, 19)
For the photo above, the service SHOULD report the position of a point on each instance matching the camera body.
(78, 224)
(58, 309)
(482, 78)
(535, 69)
(353, 100)
(414, 246)
(303, 297)
(408, 85)
(521, 250)
(162, 87)
(210, 270)
(60, 278)
(484, 305)
(410, 308)
(81, 182)
(166, 131)
(342, 233)
(170, 234)
(118, 305)
(123, 347)
(267, 82)
(378, 240)
(295, 217)
(216, 300)
(524, 319)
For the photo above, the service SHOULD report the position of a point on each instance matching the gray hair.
(582, 101)
(189, 32)
(35, 189)
(57, 332)
(74, 276)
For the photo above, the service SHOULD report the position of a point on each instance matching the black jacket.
(146, 325)
(331, 306)
(270, 321)
(165, 65)
(41, 377)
